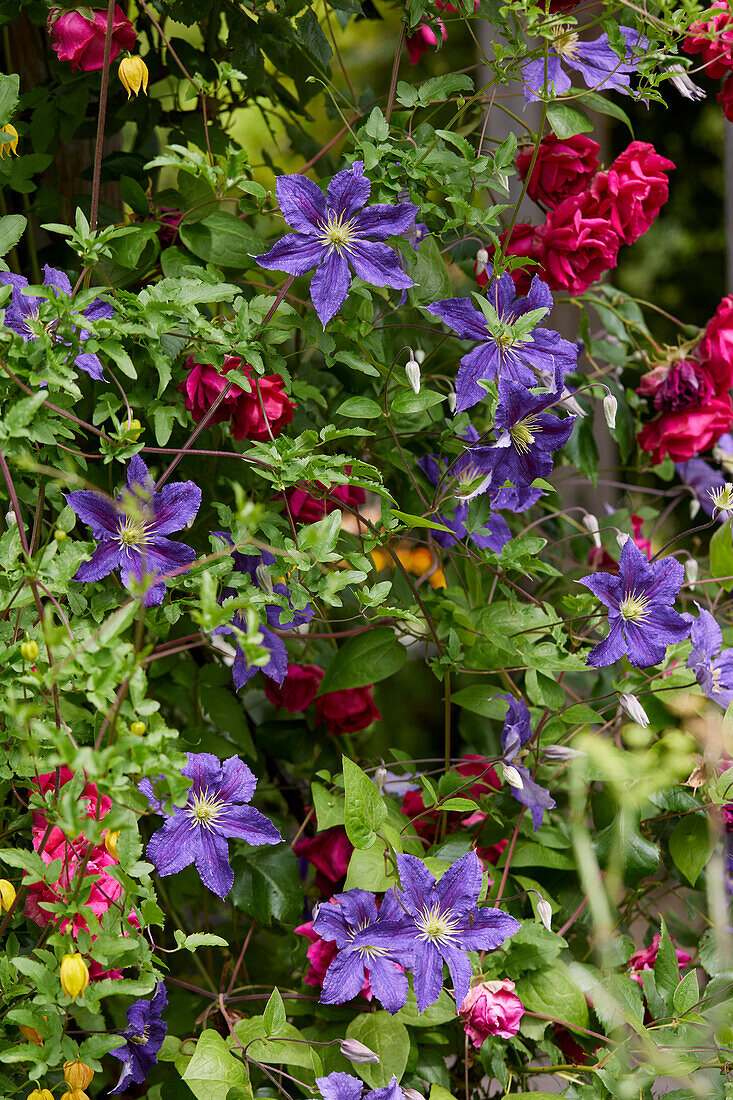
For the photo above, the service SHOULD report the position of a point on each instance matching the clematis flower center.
(337, 233)
(142, 1038)
(633, 607)
(523, 433)
(722, 498)
(205, 809)
(34, 325)
(435, 925)
(133, 532)
(565, 42)
(369, 952)
(715, 677)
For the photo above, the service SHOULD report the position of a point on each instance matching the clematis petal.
(381, 220)
(642, 646)
(388, 983)
(295, 253)
(174, 846)
(330, 285)
(237, 782)
(340, 1086)
(462, 316)
(344, 979)
(606, 587)
(484, 362)
(377, 263)
(247, 823)
(96, 510)
(302, 202)
(176, 506)
(91, 365)
(461, 972)
(56, 279)
(458, 889)
(428, 976)
(203, 769)
(212, 862)
(611, 648)
(348, 191)
(542, 81)
(104, 559)
(416, 880)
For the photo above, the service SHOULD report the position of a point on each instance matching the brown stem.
(395, 70)
(102, 116)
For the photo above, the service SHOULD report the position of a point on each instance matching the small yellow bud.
(31, 1034)
(74, 975)
(7, 894)
(138, 728)
(8, 147)
(133, 73)
(59, 535)
(29, 650)
(134, 429)
(110, 842)
(77, 1074)
(40, 1094)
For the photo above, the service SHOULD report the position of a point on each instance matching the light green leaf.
(12, 228)
(387, 1037)
(687, 993)
(364, 808)
(213, 1070)
(273, 1018)
(567, 121)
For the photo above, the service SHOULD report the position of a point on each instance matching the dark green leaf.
(364, 659)
(267, 884)
(567, 121)
(222, 239)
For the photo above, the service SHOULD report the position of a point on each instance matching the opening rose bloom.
(577, 244)
(298, 689)
(336, 231)
(491, 1008)
(641, 617)
(597, 62)
(329, 852)
(260, 414)
(713, 39)
(564, 167)
(695, 408)
(348, 710)
(633, 190)
(143, 1037)
(647, 957)
(78, 39)
(216, 811)
(132, 531)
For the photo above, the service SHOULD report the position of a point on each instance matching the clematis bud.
(420, 356)
(692, 571)
(412, 370)
(544, 912)
(631, 705)
(561, 752)
(77, 1074)
(110, 843)
(452, 403)
(133, 74)
(29, 650)
(610, 405)
(357, 1053)
(264, 580)
(694, 507)
(31, 1034)
(482, 258)
(74, 975)
(622, 538)
(380, 778)
(137, 729)
(9, 147)
(513, 777)
(7, 894)
(686, 87)
(591, 525)
(11, 520)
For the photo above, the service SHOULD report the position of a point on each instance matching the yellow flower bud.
(75, 1094)
(74, 975)
(138, 728)
(110, 842)
(133, 73)
(31, 1034)
(7, 894)
(40, 1094)
(134, 429)
(77, 1074)
(8, 147)
(59, 535)
(29, 650)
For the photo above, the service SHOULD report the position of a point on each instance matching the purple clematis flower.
(22, 315)
(143, 1037)
(277, 667)
(704, 480)
(597, 62)
(446, 922)
(506, 348)
(517, 731)
(641, 617)
(342, 1086)
(528, 434)
(132, 530)
(370, 942)
(712, 665)
(470, 475)
(335, 231)
(216, 811)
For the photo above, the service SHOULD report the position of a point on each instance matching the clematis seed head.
(74, 975)
(133, 74)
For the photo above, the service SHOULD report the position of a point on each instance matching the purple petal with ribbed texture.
(237, 781)
(203, 769)
(537, 799)
(611, 648)
(706, 635)
(57, 279)
(428, 975)
(416, 880)
(97, 511)
(489, 929)
(388, 983)
(484, 362)
(175, 506)
(212, 863)
(359, 907)
(137, 474)
(104, 559)
(461, 972)
(295, 253)
(99, 311)
(463, 317)
(643, 647)
(247, 823)
(377, 263)
(606, 587)
(330, 285)
(174, 846)
(302, 202)
(495, 537)
(348, 191)
(459, 888)
(340, 1086)
(344, 979)
(382, 220)
(538, 81)
(91, 365)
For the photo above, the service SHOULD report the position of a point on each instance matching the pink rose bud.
(491, 1008)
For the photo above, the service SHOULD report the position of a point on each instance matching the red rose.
(77, 39)
(307, 508)
(688, 432)
(562, 5)
(633, 190)
(714, 40)
(169, 218)
(203, 386)
(725, 98)
(647, 957)
(413, 804)
(578, 245)
(298, 689)
(320, 955)
(347, 711)
(524, 241)
(562, 168)
(329, 852)
(716, 349)
(676, 386)
(205, 383)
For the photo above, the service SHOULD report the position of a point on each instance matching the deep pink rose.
(714, 40)
(320, 955)
(96, 807)
(426, 825)
(169, 218)
(563, 167)
(205, 383)
(104, 891)
(681, 435)
(716, 349)
(423, 39)
(578, 245)
(491, 1008)
(682, 385)
(646, 958)
(728, 817)
(77, 39)
(329, 852)
(297, 690)
(725, 98)
(633, 190)
(347, 711)
(524, 241)
(307, 508)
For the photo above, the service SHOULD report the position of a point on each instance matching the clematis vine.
(516, 732)
(23, 316)
(215, 812)
(712, 665)
(143, 1037)
(597, 62)
(336, 232)
(641, 617)
(509, 345)
(132, 531)
(528, 434)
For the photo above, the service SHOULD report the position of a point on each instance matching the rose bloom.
(95, 806)
(681, 435)
(563, 167)
(675, 386)
(347, 711)
(646, 958)
(104, 891)
(714, 40)
(329, 852)
(205, 383)
(307, 508)
(633, 190)
(320, 956)
(423, 39)
(524, 241)
(725, 98)
(298, 689)
(602, 561)
(716, 349)
(413, 803)
(169, 218)
(491, 1008)
(578, 245)
(77, 39)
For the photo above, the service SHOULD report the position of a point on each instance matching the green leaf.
(273, 1017)
(328, 805)
(567, 121)
(408, 402)
(443, 1011)
(554, 992)
(286, 1049)
(480, 700)
(12, 228)
(364, 808)
(213, 1070)
(666, 967)
(360, 408)
(605, 107)
(417, 521)
(440, 88)
(367, 870)
(377, 126)
(721, 555)
(427, 269)
(9, 88)
(687, 994)
(267, 884)
(222, 239)
(364, 659)
(689, 846)
(203, 939)
(387, 1037)
(133, 194)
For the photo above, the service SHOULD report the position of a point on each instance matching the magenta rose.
(646, 958)
(491, 1008)
(714, 40)
(251, 414)
(307, 508)
(633, 190)
(681, 435)
(523, 241)
(716, 349)
(347, 711)
(725, 98)
(423, 39)
(320, 955)
(676, 386)
(298, 689)
(578, 245)
(329, 852)
(563, 167)
(80, 40)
